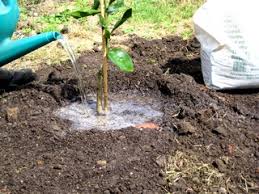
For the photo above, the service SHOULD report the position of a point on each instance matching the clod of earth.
(220, 165)
(12, 114)
(4, 191)
(222, 191)
(231, 148)
(64, 30)
(101, 163)
(40, 162)
(161, 161)
(220, 131)
(185, 128)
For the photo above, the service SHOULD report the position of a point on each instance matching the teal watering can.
(11, 50)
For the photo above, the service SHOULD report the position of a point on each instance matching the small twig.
(246, 186)
(227, 181)
(177, 141)
(208, 146)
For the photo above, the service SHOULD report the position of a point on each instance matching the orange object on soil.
(147, 125)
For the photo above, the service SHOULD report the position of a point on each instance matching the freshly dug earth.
(39, 153)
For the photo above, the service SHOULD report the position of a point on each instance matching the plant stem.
(105, 57)
(99, 93)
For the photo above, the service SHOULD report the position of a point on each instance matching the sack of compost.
(229, 37)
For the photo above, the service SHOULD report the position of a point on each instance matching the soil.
(39, 153)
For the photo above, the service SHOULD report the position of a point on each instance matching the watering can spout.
(11, 50)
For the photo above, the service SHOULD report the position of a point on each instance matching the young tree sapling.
(118, 56)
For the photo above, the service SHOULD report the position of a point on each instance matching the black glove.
(10, 79)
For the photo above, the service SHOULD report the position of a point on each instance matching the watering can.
(11, 50)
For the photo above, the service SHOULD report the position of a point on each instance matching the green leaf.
(125, 17)
(84, 13)
(115, 6)
(107, 34)
(122, 59)
(65, 13)
(103, 22)
(96, 4)
(111, 1)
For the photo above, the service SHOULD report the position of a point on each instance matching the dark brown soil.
(40, 154)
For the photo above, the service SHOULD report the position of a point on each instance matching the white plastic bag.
(228, 31)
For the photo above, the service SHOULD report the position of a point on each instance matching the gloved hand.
(11, 79)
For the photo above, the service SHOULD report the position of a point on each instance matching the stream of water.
(77, 68)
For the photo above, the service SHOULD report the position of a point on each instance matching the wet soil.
(39, 153)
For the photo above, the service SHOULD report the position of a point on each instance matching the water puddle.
(124, 112)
